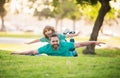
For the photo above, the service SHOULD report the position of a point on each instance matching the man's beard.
(55, 46)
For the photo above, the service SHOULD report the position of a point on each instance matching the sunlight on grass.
(19, 35)
(20, 47)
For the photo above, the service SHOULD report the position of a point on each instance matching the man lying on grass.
(57, 47)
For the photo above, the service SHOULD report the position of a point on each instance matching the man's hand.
(98, 43)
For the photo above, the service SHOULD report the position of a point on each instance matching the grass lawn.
(105, 64)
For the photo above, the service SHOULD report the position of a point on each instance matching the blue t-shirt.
(63, 49)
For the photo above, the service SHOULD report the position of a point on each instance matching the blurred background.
(32, 15)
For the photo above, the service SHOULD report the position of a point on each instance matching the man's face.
(54, 42)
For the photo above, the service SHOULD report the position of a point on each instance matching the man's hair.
(48, 28)
(53, 35)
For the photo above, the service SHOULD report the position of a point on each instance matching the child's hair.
(48, 28)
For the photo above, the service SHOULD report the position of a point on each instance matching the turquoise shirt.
(61, 37)
(63, 49)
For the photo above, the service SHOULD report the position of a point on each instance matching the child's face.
(48, 32)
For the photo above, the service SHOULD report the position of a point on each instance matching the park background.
(25, 20)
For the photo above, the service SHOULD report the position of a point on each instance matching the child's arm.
(34, 41)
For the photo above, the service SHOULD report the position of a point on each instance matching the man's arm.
(26, 52)
(82, 44)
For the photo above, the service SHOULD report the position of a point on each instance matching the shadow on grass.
(104, 52)
(108, 52)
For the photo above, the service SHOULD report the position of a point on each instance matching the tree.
(2, 14)
(57, 11)
(74, 15)
(105, 7)
(46, 12)
(71, 11)
(65, 9)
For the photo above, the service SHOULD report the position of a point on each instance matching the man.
(57, 47)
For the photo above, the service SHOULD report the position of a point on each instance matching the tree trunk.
(74, 27)
(2, 24)
(105, 7)
(2, 14)
(56, 24)
(61, 25)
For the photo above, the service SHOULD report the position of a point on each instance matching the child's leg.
(74, 52)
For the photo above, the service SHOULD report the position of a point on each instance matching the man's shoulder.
(66, 45)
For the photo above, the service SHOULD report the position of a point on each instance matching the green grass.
(105, 64)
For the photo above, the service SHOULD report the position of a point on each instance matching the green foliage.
(90, 12)
(66, 9)
(73, 11)
(103, 65)
(111, 14)
(57, 11)
(55, 3)
(46, 12)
